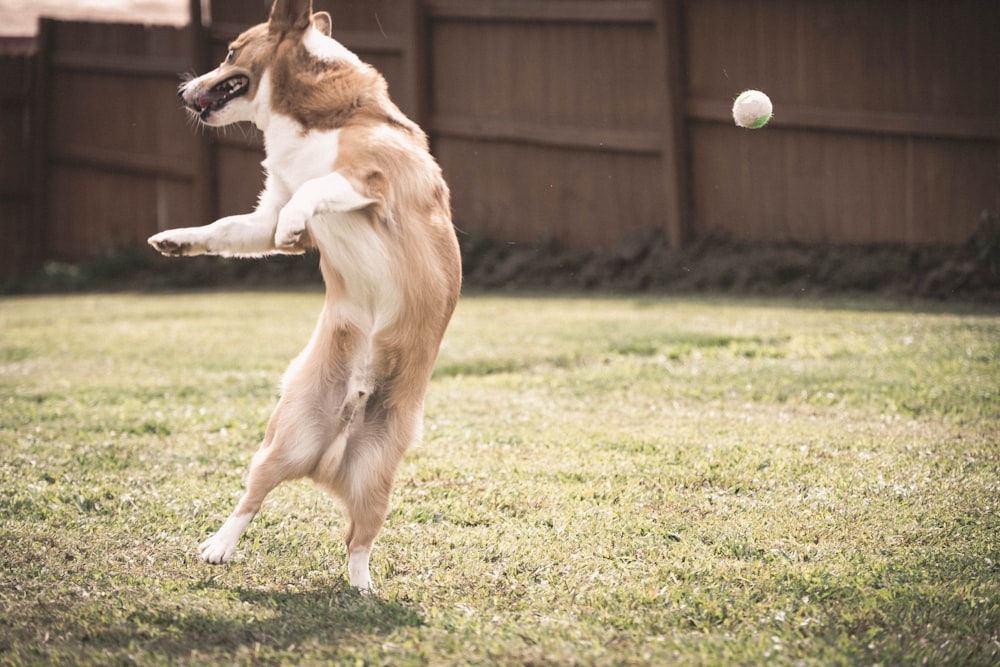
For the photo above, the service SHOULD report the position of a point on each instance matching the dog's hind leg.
(323, 392)
(365, 478)
(366, 503)
(265, 474)
(287, 452)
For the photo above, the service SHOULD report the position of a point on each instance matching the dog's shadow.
(280, 620)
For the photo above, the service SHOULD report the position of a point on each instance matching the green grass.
(602, 481)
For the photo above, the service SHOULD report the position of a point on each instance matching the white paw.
(220, 547)
(217, 550)
(178, 242)
(357, 569)
(291, 229)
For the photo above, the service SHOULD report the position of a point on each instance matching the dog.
(349, 174)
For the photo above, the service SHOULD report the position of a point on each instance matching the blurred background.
(588, 143)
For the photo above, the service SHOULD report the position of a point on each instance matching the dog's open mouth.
(220, 95)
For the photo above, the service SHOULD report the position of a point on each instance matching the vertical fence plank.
(415, 60)
(677, 197)
(204, 175)
(40, 125)
(18, 234)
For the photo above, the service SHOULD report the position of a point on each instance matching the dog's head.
(229, 93)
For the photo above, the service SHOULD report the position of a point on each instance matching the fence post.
(39, 239)
(204, 175)
(676, 178)
(416, 60)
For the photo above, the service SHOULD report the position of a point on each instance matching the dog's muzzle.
(205, 102)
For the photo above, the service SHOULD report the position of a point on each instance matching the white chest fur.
(294, 156)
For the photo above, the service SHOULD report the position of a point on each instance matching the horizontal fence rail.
(582, 11)
(611, 141)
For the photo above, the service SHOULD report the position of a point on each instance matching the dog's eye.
(231, 56)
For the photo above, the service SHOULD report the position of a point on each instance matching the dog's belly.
(355, 261)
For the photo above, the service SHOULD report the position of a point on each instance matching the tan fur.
(352, 402)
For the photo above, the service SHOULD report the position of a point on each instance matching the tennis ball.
(752, 109)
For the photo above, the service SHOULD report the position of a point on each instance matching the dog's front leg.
(327, 194)
(247, 235)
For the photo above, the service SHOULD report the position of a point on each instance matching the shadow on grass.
(270, 625)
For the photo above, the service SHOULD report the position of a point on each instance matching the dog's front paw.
(291, 236)
(177, 243)
(217, 549)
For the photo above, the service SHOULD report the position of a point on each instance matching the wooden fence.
(18, 240)
(118, 151)
(887, 122)
(565, 121)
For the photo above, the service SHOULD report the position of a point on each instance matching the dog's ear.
(287, 15)
(323, 23)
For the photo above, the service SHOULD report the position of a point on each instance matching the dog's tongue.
(211, 98)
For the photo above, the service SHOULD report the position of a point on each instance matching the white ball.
(752, 109)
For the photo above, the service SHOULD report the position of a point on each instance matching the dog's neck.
(261, 114)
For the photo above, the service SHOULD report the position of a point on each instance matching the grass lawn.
(602, 481)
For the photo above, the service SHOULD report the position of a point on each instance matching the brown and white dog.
(348, 174)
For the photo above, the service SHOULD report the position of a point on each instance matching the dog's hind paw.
(357, 569)
(220, 547)
(216, 550)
